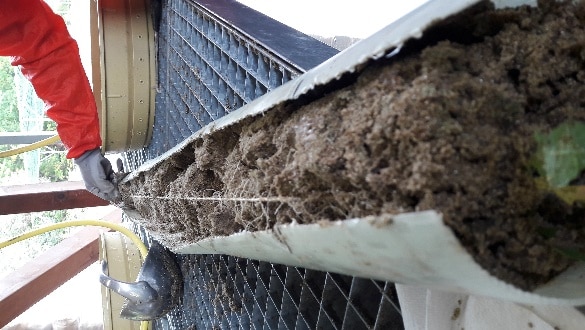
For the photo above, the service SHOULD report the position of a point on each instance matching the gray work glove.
(98, 175)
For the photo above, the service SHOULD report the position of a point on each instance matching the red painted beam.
(46, 197)
(26, 286)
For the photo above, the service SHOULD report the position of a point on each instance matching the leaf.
(561, 153)
(571, 194)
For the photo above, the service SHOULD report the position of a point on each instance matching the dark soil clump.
(450, 127)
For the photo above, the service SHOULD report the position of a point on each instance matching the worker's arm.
(38, 42)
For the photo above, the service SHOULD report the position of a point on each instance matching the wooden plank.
(26, 286)
(46, 197)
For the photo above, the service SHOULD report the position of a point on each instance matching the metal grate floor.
(209, 64)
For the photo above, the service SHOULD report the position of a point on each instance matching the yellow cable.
(135, 239)
(144, 325)
(29, 147)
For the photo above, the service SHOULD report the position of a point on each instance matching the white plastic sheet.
(412, 248)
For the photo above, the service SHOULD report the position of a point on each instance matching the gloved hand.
(98, 175)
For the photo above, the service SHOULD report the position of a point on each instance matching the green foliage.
(11, 164)
(15, 255)
(49, 126)
(56, 167)
(8, 116)
(561, 154)
(8, 102)
(560, 159)
(40, 219)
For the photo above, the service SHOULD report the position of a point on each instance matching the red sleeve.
(38, 41)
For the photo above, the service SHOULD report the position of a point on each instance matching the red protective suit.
(37, 40)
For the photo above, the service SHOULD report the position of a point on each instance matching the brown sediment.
(449, 127)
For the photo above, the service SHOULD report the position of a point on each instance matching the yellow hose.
(30, 147)
(135, 239)
(144, 325)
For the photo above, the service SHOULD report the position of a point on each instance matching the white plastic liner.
(411, 248)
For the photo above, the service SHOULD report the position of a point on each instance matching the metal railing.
(24, 287)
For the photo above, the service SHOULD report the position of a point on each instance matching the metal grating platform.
(213, 57)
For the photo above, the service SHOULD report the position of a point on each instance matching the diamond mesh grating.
(208, 67)
(234, 293)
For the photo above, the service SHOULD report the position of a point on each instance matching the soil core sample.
(448, 124)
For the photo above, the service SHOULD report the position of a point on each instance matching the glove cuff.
(86, 155)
